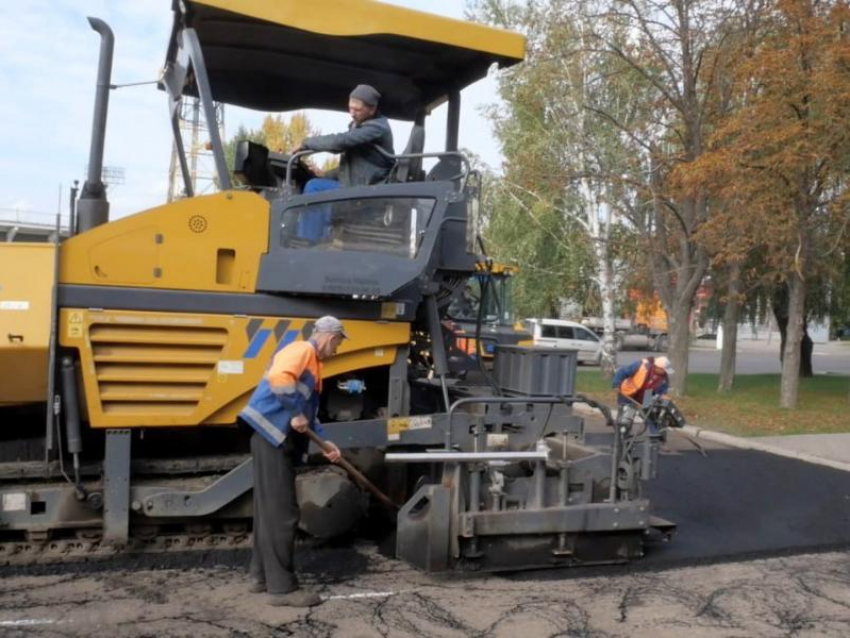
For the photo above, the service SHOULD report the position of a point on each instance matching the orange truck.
(645, 329)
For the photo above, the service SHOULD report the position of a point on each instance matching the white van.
(569, 335)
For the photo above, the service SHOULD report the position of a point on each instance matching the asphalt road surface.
(803, 595)
(761, 551)
(759, 358)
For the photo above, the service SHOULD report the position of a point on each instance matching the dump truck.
(644, 329)
(130, 347)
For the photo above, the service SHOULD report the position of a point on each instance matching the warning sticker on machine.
(400, 424)
(74, 330)
(235, 366)
(14, 305)
(15, 502)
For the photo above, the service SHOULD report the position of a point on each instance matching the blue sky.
(48, 66)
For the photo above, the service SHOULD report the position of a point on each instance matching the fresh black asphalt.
(736, 504)
(730, 505)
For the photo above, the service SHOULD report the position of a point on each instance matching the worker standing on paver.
(282, 408)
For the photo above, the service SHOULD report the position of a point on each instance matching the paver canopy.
(279, 55)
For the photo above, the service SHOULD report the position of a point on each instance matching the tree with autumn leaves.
(778, 164)
(733, 159)
(279, 135)
(621, 88)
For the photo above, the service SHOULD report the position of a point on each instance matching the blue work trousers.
(315, 225)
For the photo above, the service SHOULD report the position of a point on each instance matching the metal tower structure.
(194, 131)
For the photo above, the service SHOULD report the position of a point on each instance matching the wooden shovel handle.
(352, 471)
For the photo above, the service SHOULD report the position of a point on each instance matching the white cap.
(329, 324)
(664, 364)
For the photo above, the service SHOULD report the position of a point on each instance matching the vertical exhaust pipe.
(93, 208)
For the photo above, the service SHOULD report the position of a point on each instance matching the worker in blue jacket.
(361, 163)
(634, 381)
(282, 408)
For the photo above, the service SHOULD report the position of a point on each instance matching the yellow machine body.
(161, 369)
(149, 369)
(209, 243)
(26, 288)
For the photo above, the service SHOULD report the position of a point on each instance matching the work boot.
(295, 598)
(257, 587)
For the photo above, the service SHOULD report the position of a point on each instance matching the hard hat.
(664, 364)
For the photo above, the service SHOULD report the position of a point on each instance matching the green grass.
(752, 408)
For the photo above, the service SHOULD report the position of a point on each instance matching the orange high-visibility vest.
(633, 384)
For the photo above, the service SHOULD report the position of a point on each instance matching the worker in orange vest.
(635, 380)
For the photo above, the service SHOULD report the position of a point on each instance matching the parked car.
(556, 333)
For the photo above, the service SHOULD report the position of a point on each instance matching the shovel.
(356, 474)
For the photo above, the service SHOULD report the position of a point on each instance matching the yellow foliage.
(778, 160)
(281, 136)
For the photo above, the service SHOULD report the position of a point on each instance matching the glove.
(352, 386)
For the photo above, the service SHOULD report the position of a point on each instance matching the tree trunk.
(780, 303)
(609, 351)
(677, 276)
(679, 344)
(605, 278)
(731, 315)
(790, 385)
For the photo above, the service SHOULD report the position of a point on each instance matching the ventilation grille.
(154, 371)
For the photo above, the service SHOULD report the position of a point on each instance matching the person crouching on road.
(634, 381)
(282, 408)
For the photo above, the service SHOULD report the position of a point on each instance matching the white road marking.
(365, 594)
(26, 622)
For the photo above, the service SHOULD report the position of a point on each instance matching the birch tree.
(672, 45)
(559, 153)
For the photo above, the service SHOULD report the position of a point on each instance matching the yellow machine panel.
(209, 243)
(26, 287)
(148, 369)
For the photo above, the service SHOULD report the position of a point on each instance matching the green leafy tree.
(673, 47)
(564, 165)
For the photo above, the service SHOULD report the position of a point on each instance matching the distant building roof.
(21, 229)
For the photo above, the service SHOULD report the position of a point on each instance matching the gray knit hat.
(366, 94)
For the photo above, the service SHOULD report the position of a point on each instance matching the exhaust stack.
(93, 209)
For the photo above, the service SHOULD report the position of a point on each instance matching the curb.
(744, 443)
(752, 444)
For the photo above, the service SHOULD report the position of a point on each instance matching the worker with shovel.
(282, 411)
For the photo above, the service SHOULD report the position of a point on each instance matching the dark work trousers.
(275, 514)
